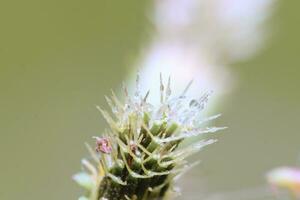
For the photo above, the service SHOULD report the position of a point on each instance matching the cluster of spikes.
(141, 156)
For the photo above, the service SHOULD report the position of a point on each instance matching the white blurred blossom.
(198, 39)
(287, 178)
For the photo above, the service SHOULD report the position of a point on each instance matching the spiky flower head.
(141, 155)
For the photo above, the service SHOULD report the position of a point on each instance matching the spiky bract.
(140, 157)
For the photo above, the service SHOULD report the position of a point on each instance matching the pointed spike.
(183, 153)
(130, 152)
(152, 155)
(114, 107)
(168, 90)
(190, 134)
(146, 96)
(132, 173)
(213, 117)
(89, 166)
(187, 88)
(84, 180)
(153, 138)
(122, 145)
(137, 86)
(92, 152)
(202, 101)
(103, 162)
(161, 89)
(108, 119)
(117, 102)
(144, 169)
(116, 179)
(141, 137)
(125, 90)
(96, 159)
(159, 187)
(185, 170)
(144, 149)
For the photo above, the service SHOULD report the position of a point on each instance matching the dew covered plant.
(141, 156)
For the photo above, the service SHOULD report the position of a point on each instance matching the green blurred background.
(59, 58)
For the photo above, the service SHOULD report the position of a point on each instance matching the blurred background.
(59, 58)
